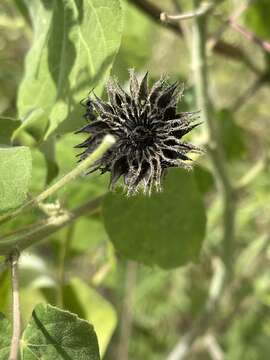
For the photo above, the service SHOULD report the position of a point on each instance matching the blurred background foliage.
(139, 311)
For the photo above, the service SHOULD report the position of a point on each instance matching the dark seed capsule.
(148, 131)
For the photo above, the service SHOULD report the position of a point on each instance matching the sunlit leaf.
(15, 176)
(74, 44)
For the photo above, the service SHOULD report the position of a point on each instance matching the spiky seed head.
(148, 131)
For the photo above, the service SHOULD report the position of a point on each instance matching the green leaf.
(39, 173)
(74, 45)
(166, 229)
(204, 179)
(5, 337)
(7, 127)
(15, 176)
(34, 122)
(56, 334)
(257, 18)
(88, 304)
(231, 135)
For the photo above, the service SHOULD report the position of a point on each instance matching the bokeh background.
(139, 311)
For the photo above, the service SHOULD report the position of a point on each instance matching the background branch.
(220, 47)
(153, 11)
(264, 45)
(235, 15)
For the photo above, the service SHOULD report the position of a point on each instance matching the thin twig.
(221, 47)
(24, 238)
(225, 187)
(16, 314)
(263, 44)
(233, 17)
(153, 11)
(231, 21)
(83, 166)
(202, 10)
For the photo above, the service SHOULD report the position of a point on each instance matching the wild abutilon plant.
(148, 130)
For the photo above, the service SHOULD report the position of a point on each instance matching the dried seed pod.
(148, 131)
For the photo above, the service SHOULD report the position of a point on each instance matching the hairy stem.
(24, 238)
(221, 267)
(215, 150)
(83, 166)
(16, 314)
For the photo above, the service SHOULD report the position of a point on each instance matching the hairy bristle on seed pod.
(148, 130)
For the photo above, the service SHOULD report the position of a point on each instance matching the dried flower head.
(147, 129)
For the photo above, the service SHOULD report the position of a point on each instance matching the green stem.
(107, 142)
(24, 238)
(215, 150)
